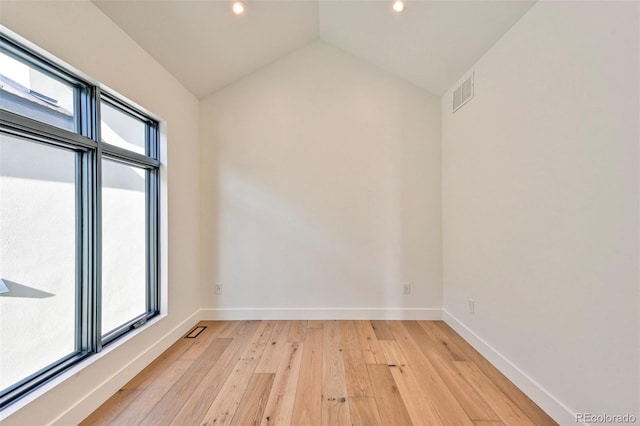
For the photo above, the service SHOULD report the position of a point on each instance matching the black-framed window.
(79, 218)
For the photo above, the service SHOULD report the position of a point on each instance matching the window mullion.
(81, 245)
(18, 125)
(124, 156)
(96, 323)
(149, 239)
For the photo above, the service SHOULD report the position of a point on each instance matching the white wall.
(540, 203)
(78, 33)
(321, 189)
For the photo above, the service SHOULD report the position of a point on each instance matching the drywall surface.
(321, 188)
(540, 205)
(78, 33)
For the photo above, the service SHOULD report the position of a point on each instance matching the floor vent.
(463, 94)
(195, 332)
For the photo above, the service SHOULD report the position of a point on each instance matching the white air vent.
(463, 94)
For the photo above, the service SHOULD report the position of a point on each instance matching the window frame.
(90, 150)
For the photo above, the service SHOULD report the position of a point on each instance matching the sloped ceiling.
(206, 47)
(431, 44)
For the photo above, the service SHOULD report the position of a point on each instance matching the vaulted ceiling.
(206, 47)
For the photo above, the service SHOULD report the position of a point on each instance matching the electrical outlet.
(472, 306)
(406, 288)
(218, 288)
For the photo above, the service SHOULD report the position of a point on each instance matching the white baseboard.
(550, 404)
(322, 314)
(99, 394)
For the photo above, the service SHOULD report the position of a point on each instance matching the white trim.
(103, 391)
(550, 404)
(322, 314)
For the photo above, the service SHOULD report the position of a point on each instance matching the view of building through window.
(68, 247)
(37, 257)
(29, 92)
(123, 244)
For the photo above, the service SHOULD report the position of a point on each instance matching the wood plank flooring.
(298, 373)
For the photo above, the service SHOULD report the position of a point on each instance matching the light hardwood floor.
(321, 373)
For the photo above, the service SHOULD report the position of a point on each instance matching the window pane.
(121, 129)
(123, 244)
(26, 91)
(37, 257)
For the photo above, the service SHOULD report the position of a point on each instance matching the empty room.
(318, 212)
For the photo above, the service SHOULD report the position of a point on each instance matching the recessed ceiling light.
(239, 7)
(398, 6)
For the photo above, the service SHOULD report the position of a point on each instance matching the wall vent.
(463, 94)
